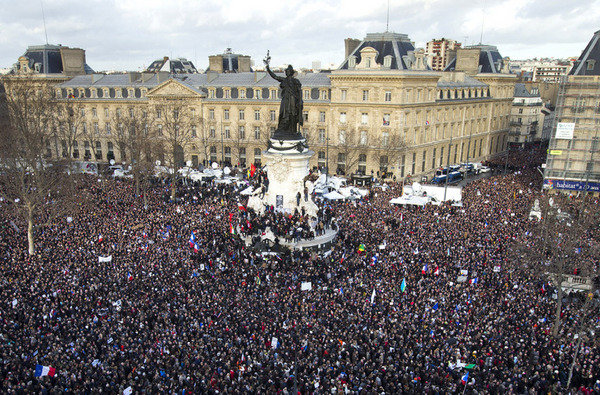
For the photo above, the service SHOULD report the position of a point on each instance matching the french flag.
(424, 270)
(129, 276)
(543, 287)
(241, 207)
(41, 371)
(192, 240)
(100, 238)
(437, 271)
(473, 281)
(196, 248)
(465, 378)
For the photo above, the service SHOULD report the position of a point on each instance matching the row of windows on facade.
(273, 94)
(213, 93)
(436, 160)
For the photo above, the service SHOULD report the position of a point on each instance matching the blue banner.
(572, 185)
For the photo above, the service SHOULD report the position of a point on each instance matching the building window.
(94, 113)
(388, 96)
(242, 115)
(433, 158)
(82, 112)
(272, 115)
(211, 113)
(383, 164)
(212, 132)
(107, 127)
(130, 112)
(386, 119)
(342, 137)
(106, 113)
(305, 116)
(591, 64)
(257, 156)
(385, 137)
(321, 116)
(321, 161)
(344, 94)
(257, 133)
(341, 163)
(158, 113)
(241, 133)
(98, 150)
(322, 136)
(365, 95)
(273, 94)
(306, 94)
(414, 163)
(402, 164)
(96, 128)
(342, 117)
(364, 119)
(226, 114)
(242, 92)
(324, 95)
(362, 164)
(227, 132)
(363, 137)
(257, 115)
(520, 111)
(194, 133)
(75, 149)
(227, 151)
(213, 154)
(257, 94)
(211, 93)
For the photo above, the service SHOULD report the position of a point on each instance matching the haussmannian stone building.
(382, 111)
(572, 163)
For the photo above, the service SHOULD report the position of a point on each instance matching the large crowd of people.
(117, 297)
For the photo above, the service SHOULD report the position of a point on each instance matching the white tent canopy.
(334, 195)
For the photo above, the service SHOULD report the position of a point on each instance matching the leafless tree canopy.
(37, 190)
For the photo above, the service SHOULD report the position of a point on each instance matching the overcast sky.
(129, 34)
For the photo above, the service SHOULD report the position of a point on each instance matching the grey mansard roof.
(197, 81)
(388, 43)
(490, 60)
(589, 60)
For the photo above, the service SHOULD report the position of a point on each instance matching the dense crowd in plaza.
(385, 314)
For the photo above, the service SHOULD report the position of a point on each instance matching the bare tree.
(67, 128)
(349, 148)
(136, 136)
(176, 135)
(388, 149)
(563, 245)
(39, 191)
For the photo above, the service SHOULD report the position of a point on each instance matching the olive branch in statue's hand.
(267, 59)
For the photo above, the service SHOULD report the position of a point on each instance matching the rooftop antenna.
(387, 25)
(44, 19)
(482, 21)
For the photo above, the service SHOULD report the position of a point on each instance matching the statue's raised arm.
(267, 60)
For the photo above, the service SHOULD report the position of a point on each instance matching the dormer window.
(242, 92)
(351, 62)
(211, 93)
(306, 94)
(227, 93)
(368, 58)
(323, 95)
(591, 64)
(387, 61)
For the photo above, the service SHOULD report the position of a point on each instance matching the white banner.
(307, 286)
(105, 258)
(564, 130)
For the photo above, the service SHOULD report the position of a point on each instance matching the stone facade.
(387, 115)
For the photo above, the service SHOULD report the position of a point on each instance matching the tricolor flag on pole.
(196, 248)
(192, 240)
(437, 271)
(241, 207)
(465, 378)
(424, 269)
(473, 281)
(231, 229)
(41, 371)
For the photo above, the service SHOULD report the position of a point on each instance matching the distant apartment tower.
(441, 52)
(526, 116)
(549, 72)
(573, 163)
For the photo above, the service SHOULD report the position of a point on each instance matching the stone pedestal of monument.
(287, 166)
